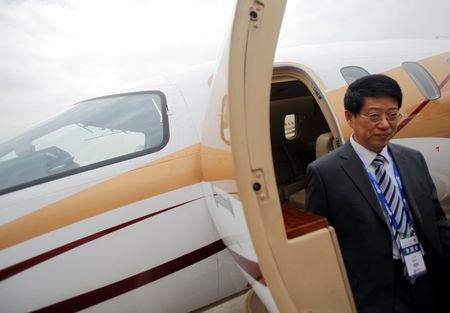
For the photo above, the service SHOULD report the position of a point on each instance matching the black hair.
(371, 86)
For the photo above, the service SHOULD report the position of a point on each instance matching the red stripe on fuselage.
(115, 289)
(445, 81)
(412, 115)
(105, 293)
(99, 295)
(19, 267)
(252, 268)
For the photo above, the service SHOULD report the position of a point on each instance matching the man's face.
(374, 135)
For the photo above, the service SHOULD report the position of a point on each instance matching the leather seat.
(324, 144)
(289, 171)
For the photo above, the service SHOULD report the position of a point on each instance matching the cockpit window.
(91, 134)
(352, 73)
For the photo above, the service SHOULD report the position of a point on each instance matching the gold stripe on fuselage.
(182, 168)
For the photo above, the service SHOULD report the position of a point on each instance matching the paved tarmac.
(235, 305)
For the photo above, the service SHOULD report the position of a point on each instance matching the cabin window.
(91, 134)
(290, 126)
(423, 80)
(352, 73)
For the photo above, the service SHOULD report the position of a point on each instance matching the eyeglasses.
(376, 117)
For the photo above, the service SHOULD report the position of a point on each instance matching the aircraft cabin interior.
(299, 134)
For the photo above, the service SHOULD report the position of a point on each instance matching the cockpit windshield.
(92, 133)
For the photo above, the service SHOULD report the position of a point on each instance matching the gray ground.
(235, 305)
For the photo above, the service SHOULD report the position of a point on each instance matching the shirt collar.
(366, 155)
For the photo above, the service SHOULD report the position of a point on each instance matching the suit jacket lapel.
(402, 166)
(352, 166)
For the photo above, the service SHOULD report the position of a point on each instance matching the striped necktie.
(393, 198)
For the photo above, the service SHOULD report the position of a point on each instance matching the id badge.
(412, 255)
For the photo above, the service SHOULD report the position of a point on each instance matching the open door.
(303, 272)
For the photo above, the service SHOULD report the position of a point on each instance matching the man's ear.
(350, 118)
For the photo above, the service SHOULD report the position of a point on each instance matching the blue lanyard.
(383, 200)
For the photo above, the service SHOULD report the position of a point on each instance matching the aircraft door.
(303, 273)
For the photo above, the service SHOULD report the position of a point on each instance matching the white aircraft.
(175, 193)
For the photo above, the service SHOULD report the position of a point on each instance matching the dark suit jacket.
(338, 188)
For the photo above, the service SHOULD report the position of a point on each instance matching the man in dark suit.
(381, 200)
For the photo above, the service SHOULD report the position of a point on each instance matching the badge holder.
(412, 256)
